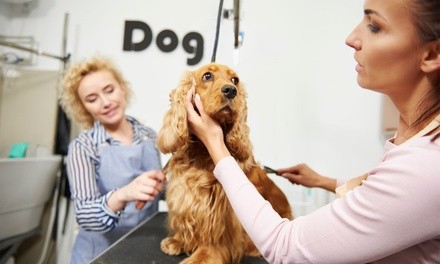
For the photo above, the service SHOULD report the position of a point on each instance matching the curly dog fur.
(201, 221)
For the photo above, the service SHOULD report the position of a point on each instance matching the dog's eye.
(235, 80)
(207, 76)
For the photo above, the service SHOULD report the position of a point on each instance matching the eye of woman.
(91, 98)
(235, 80)
(109, 89)
(374, 28)
(207, 76)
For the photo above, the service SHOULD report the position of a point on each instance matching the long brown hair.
(426, 19)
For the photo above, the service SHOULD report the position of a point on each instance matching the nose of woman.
(105, 100)
(353, 40)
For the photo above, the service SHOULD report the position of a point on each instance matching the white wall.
(28, 108)
(304, 102)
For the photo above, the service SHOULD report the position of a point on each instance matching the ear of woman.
(431, 58)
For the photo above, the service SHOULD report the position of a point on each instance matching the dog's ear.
(237, 139)
(174, 132)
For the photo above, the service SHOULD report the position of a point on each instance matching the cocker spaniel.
(201, 221)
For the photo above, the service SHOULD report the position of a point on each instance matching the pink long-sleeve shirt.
(394, 217)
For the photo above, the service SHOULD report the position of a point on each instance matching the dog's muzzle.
(229, 91)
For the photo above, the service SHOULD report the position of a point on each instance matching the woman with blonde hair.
(112, 163)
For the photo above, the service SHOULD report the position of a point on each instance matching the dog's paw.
(198, 260)
(205, 255)
(171, 246)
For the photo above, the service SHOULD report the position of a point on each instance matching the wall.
(304, 102)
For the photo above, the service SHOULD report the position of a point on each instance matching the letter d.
(130, 26)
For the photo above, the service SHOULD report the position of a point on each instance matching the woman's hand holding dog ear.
(205, 128)
(145, 187)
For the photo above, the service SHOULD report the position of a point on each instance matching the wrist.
(117, 201)
(217, 150)
(328, 184)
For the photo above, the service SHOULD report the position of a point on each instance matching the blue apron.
(119, 165)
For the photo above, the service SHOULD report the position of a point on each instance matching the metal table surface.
(142, 245)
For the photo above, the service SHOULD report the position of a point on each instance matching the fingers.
(295, 179)
(140, 204)
(286, 173)
(153, 181)
(194, 110)
(155, 174)
(147, 186)
(194, 104)
(190, 95)
(189, 102)
(199, 105)
(283, 170)
(297, 169)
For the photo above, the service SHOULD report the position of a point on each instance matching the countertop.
(142, 245)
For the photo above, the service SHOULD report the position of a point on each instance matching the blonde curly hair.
(69, 98)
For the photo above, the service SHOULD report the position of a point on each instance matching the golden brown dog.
(201, 221)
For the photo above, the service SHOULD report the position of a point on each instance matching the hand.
(201, 124)
(205, 128)
(143, 188)
(304, 175)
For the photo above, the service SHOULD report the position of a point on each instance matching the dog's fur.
(201, 221)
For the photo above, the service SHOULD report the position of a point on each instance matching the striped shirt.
(83, 163)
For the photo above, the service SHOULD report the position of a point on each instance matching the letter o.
(167, 34)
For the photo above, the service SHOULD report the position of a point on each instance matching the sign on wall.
(166, 41)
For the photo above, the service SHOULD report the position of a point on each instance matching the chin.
(113, 120)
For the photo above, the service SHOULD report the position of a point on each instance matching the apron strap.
(350, 185)
(429, 128)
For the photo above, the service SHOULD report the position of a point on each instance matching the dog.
(201, 221)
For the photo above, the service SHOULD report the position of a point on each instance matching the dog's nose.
(229, 91)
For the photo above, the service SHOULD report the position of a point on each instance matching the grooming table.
(142, 245)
